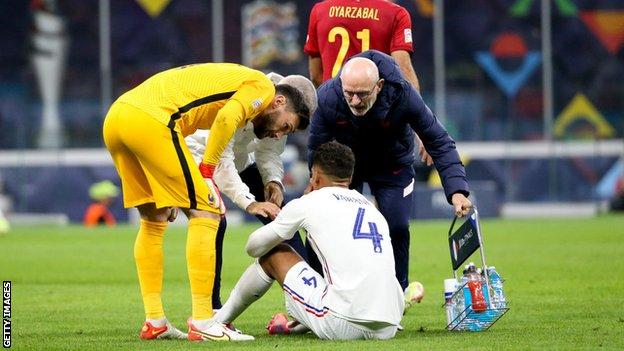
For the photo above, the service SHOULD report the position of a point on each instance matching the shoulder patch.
(256, 104)
(407, 35)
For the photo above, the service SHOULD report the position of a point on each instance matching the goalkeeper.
(250, 173)
(143, 132)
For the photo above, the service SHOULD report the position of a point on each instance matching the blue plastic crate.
(470, 320)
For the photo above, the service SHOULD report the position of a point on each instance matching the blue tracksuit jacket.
(383, 139)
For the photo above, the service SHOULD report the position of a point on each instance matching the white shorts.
(304, 291)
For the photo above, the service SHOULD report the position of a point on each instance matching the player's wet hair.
(295, 103)
(335, 160)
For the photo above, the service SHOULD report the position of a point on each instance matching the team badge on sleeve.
(256, 104)
(407, 35)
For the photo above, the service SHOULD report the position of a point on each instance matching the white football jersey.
(351, 238)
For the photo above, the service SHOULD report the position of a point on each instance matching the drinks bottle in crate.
(474, 288)
(450, 305)
(496, 282)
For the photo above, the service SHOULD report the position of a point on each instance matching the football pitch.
(76, 289)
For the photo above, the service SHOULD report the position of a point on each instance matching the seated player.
(360, 297)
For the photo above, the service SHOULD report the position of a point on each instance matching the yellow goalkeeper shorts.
(153, 162)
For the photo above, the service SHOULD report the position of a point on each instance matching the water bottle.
(466, 290)
(449, 304)
(496, 281)
(475, 286)
(486, 293)
(460, 305)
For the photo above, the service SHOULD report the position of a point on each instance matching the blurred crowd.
(493, 74)
(478, 106)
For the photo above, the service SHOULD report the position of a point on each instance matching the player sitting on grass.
(360, 297)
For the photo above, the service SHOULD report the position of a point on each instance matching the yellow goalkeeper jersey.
(216, 96)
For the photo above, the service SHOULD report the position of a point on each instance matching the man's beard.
(261, 127)
(362, 108)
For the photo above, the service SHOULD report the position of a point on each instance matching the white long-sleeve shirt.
(243, 150)
(351, 238)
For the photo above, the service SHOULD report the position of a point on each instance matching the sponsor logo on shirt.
(256, 104)
(407, 34)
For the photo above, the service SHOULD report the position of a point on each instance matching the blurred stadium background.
(532, 91)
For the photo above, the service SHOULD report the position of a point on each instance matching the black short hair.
(335, 160)
(295, 103)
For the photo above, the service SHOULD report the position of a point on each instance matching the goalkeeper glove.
(214, 196)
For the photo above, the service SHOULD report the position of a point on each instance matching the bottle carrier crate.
(466, 240)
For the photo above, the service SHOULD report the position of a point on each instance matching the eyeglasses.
(360, 94)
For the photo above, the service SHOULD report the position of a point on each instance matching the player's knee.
(274, 252)
(280, 254)
(202, 214)
(265, 263)
(149, 212)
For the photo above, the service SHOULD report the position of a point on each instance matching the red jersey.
(339, 29)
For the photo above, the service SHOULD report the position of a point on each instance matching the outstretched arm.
(284, 227)
(250, 99)
(404, 60)
(439, 144)
(262, 241)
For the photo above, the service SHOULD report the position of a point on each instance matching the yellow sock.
(200, 260)
(148, 255)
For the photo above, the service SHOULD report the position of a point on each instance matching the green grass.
(75, 288)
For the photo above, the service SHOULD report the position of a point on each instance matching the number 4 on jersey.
(373, 235)
(311, 281)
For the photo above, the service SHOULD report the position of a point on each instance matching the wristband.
(206, 170)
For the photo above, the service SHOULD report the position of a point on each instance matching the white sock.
(250, 287)
(157, 322)
(202, 324)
